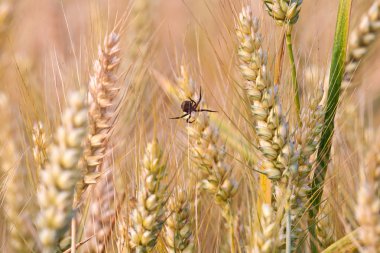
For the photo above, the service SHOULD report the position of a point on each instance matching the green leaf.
(336, 77)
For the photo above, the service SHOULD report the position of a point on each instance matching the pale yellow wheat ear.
(61, 173)
(284, 12)
(285, 157)
(179, 224)
(368, 204)
(264, 235)
(360, 40)
(209, 155)
(325, 230)
(12, 182)
(148, 216)
(271, 127)
(103, 101)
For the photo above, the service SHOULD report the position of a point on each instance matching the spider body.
(190, 106)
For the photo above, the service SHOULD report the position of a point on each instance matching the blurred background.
(47, 48)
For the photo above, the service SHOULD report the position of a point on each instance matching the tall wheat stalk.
(368, 204)
(209, 156)
(103, 110)
(148, 217)
(12, 178)
(59, 177)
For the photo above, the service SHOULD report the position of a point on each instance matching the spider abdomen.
(187, 106)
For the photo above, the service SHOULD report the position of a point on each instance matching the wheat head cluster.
(132, 126)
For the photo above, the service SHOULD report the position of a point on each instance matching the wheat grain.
(61, 173)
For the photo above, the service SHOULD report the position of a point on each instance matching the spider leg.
(180, 117)
(188, 119)
(205, 110)
(192, 100)
(200, 96)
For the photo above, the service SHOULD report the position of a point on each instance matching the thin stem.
(231, 228)
(294, 73)
(288, 229)
(73, 234)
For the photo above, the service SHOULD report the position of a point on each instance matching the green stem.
(336, 77)
(294, 74)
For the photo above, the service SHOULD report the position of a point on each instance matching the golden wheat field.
(240, 126)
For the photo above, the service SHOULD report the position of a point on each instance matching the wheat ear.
(307, 140)
(368, 204)
(102, 99)
(61, 173)
(361, 38)
(210, 155)
(271, 126)
(178, 226)
(265, 235)
(284, 12)
(20, 239)
(148, 217)
(325, 232)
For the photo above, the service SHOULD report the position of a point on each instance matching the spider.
(189, 106)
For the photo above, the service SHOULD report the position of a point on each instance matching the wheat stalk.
(368, 204)
(279, 161)
(103, 104)
(209, 155)
(60, 175)
(20, 239)
(361, 38)
(148, 217)
(286, 157)
(178, 226)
